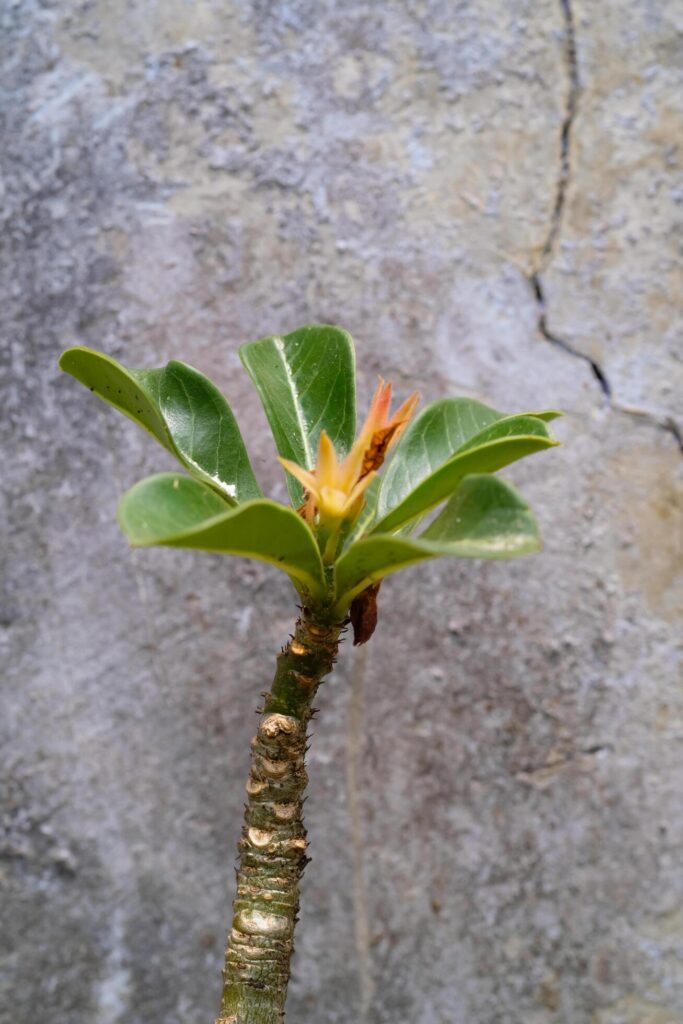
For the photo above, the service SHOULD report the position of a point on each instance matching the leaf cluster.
(440, 471)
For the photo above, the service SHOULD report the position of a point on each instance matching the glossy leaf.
(181, 408)
(306, 382)
(132, 392)
(485, 518)
(205, 432)
(175, 511)
(434, 437)
(441, 447)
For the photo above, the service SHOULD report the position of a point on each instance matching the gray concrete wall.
(495, 808)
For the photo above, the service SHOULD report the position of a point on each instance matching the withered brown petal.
(375, 453)
(363, 614)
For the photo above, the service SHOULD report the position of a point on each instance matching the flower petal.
(302, 475)
(350, 468)
(326, 469)
(360, 487)
(404, 413)
(332, 503)
(379, 410)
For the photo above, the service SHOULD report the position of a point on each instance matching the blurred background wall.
(488, 196)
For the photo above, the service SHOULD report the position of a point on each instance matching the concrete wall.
(495, 808)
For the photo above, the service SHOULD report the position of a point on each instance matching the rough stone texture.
(495, 808)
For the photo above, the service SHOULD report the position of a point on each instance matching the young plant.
(347, 528)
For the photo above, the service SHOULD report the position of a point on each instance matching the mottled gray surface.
(495, 808)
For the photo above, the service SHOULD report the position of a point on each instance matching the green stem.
(273, 844)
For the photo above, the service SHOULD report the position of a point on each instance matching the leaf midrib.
(291, 380)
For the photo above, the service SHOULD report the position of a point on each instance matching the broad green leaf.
(132, 392)
(181, 408)
(423, 474)
(205, 432)
(489, 516)
(434, 437)
(485, 518)
(306, 382)
(175, 511)
(517, 425)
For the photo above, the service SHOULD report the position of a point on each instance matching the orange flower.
(334, 489)
(379, 430)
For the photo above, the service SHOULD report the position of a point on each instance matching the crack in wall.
(667, 423)
(534, 278)
(570, 111)
(566, 346)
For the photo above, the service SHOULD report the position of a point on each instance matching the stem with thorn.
(272, 846)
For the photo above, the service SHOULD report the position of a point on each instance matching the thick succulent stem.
(272, 847)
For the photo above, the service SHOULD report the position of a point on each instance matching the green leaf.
(429, 441)
(175, 511)
(306, 382)
(518, 425)
(205, 432)
(132, 392)
(449, 440)
(485, 518)
(546, 414)
(488, 517)
(434, 437)
(181, 408)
